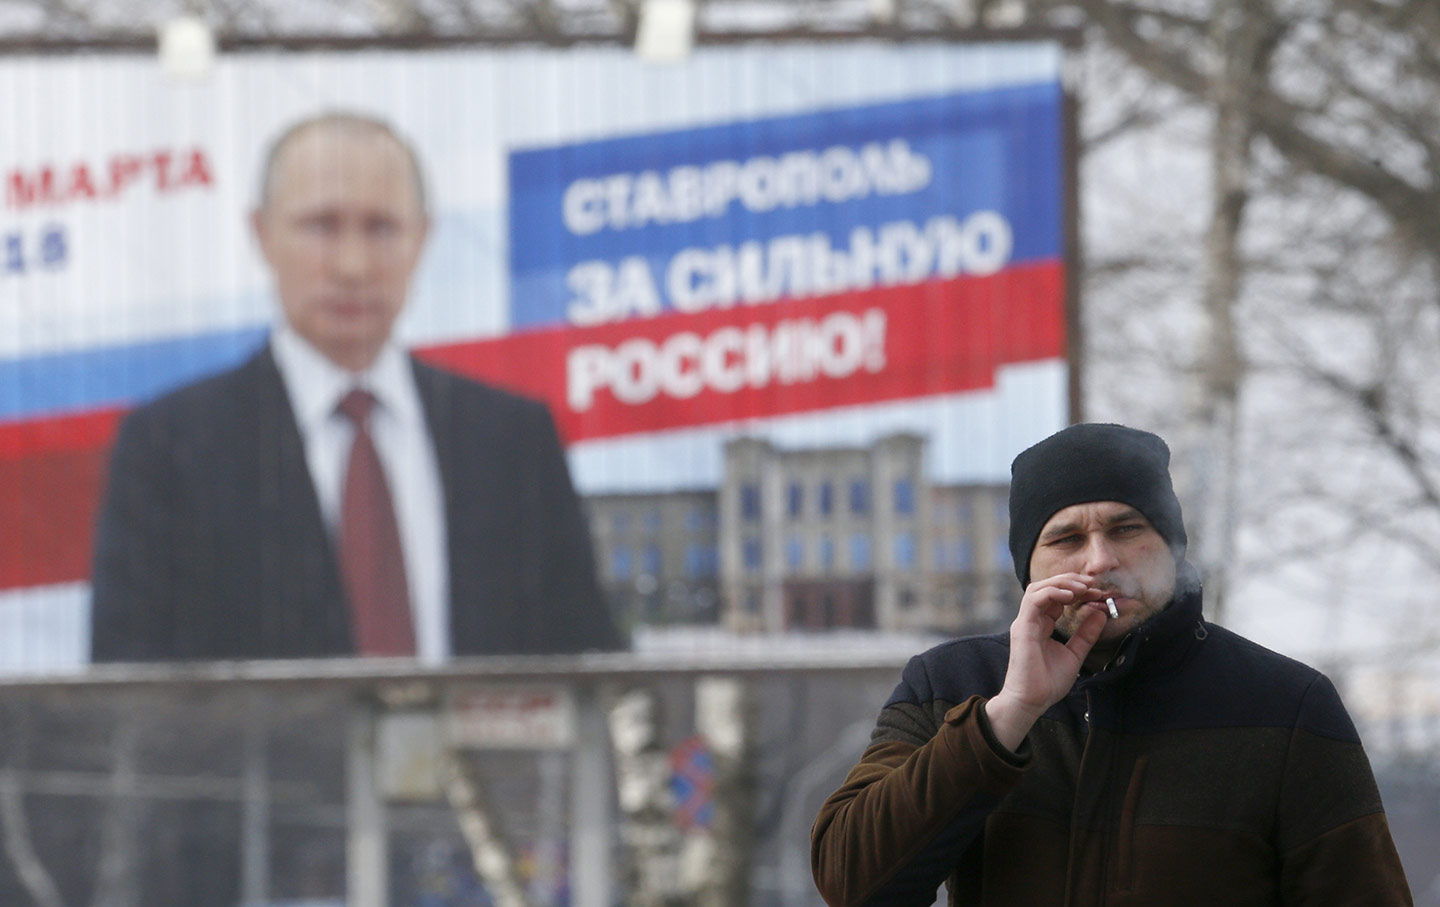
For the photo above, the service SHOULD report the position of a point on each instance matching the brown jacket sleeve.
(917, 799)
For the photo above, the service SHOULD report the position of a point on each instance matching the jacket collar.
(1164, 640)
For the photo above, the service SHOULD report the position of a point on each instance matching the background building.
(658, 555)
(814, 538)
(809, 539)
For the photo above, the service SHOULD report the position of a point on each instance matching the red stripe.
(939, 337)
(58, 434)
(47, 515)
(51, 475)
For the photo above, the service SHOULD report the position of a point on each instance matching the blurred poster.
(794, 307)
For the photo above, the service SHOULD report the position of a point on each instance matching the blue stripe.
(999, 150)
(118, 376)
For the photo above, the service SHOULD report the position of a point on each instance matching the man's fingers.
(1085, 635)
(1058, 589)
(1073, 581)
(1045, 604)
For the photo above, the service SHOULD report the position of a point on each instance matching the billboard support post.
(591, 785)
(367, 857)
(255, 808)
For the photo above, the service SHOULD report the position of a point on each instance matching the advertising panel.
(744, 285)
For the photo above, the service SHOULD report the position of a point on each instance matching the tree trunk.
(1241, 38)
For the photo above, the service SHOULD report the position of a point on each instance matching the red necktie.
(371, 559)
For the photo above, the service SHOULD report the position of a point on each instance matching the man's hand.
(1042, 670)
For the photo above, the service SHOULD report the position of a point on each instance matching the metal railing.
(586, 780)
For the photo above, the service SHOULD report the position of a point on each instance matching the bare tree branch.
(1414, 209)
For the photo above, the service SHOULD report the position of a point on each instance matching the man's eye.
(319, 225)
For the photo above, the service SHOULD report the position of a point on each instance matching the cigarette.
(1114, 611)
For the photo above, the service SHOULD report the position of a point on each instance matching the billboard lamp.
(666, 31)
(186, 47)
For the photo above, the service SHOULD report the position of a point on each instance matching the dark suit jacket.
(211, 545)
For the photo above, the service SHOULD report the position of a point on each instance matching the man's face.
(342, 230)
(1115, 544)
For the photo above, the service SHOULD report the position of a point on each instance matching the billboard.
(813, 247)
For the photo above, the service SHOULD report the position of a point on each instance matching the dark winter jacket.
(1198, 769)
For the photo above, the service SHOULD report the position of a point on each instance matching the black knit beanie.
(1091, 462)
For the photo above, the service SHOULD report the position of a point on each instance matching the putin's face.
(342, 227)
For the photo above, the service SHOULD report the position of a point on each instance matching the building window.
(794, 552)
(904, 497)
(827, 552)
(650, 519)
(650, 559)
(622, 563)
(859, 496)
(795, 500)
(827, 503)
(750, 552)
(905, 550)
(964, 555)
(860, 551)
(701, 561)
(750, 501)
(700, 517)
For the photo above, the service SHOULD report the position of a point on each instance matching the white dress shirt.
(315, 386)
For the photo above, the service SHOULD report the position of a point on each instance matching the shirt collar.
(315, 384)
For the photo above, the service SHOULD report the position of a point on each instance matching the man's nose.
(1100, 556)
(351, 255)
